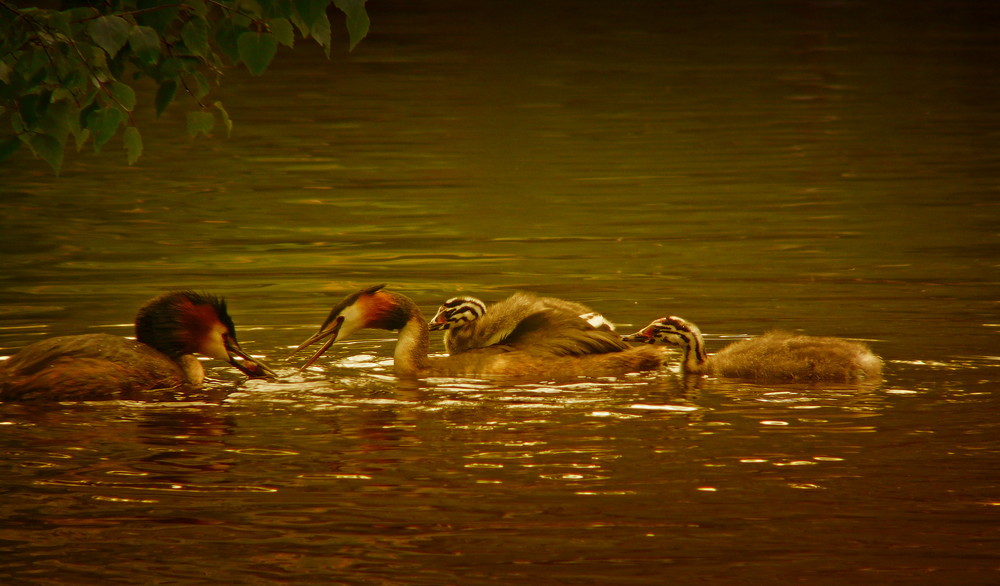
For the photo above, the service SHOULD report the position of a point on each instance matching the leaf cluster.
(72, 72)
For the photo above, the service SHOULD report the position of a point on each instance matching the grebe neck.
(410, 355)
(194, 372)
(695, 357)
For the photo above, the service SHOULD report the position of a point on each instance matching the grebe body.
(376, 308)
(527, 318)
(774, 356)
(169, 330)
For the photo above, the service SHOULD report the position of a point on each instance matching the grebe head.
(671, 330)
(186, 322)
(457, 311)
(370, 307)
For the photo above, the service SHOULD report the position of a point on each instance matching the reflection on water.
(822, 167)
(330, 478)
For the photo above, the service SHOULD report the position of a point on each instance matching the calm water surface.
(825, 167)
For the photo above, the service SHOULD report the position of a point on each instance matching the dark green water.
(826, 167)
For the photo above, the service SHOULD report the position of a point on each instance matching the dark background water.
(830, 167)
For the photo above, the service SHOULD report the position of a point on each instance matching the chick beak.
(249, 366)
(331, 330)
(642, 336)
(439, 322)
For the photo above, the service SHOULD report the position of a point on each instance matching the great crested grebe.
(375, 308)
(169, 329)
(774, 356)
(468, 324)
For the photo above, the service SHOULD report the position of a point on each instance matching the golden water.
(817, 166)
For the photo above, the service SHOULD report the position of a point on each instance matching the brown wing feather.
(90, 366)
(528, 320)
(559, 333)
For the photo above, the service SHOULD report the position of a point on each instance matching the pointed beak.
(642, 336)
(331, 330)
(438, 323)
(249, 366)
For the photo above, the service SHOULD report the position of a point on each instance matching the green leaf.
(80, 134)
(160, 15)
(58, 120)
(116, 66)
(200, 122)
(297, 21)
(86, 111)
(309, 12)
(80, 137)
(242, 20)
(226, 36)
(32, 107)
(275, 8)
(133, 144)
(169, 68)
(282, 30)
(321, 33)
(59, 22)
(8, 147)
(195, 36)
(123, 94)
(257, 50)
(30, 65)
(72, 82)
(203, 88)
(357, 19)
(225, 119)
(80, 16)
(40, 76)
(109, 32)
(17, 123)
(96, 60)
(145, 42)
(49, 149)
(165, 95)
(103, 124)
(197, 6)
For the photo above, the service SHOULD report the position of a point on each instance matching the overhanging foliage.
(72, 72)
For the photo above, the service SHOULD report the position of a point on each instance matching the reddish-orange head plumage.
(186, 322)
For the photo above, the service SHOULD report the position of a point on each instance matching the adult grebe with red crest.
(374, 307)
(169, 330)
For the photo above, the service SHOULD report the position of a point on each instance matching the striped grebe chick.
(467, 323)
(774, 356)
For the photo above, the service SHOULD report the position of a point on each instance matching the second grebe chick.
(774, 356)
(467, 324)
(169, 330)
(375, 308)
